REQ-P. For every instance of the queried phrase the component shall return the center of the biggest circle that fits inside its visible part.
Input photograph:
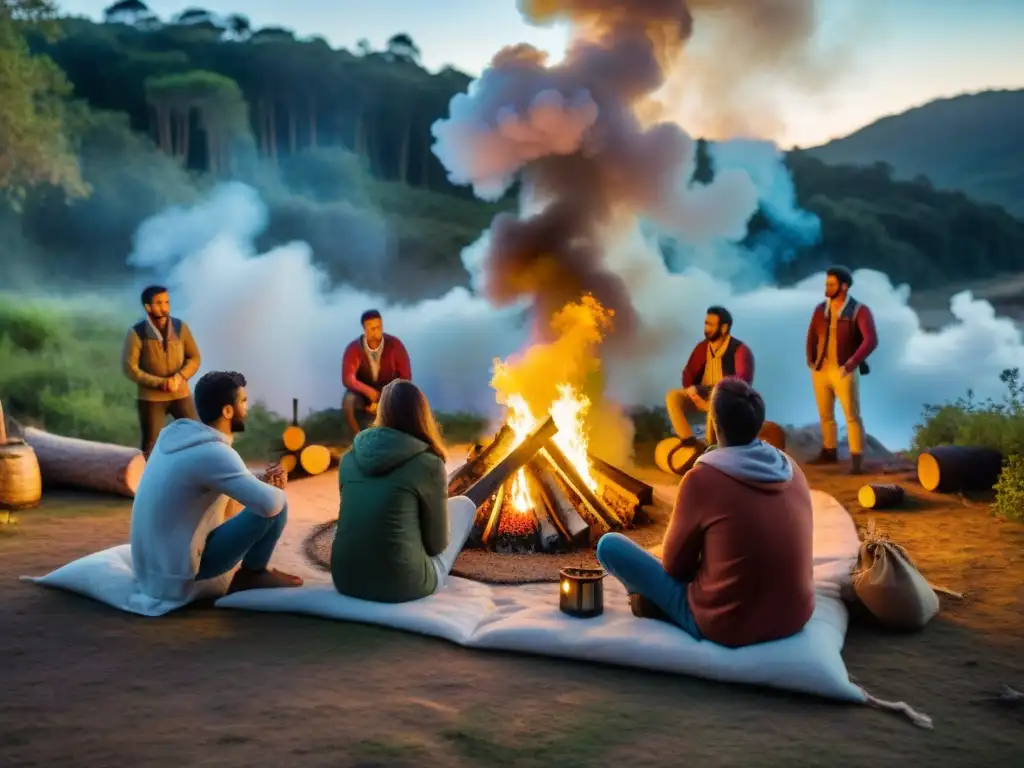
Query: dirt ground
(84, 685)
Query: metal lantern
(581, 592)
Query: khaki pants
(680, 409)
(831, 384)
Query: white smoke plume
(273, 317)
(570, 134)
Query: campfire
(538, 489)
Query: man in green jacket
(160, 356)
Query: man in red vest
(840, 337)
(719, 355)
(370, 362)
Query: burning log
(601, 513)
(481, 461)
(952, 468)
(497, 502)
(294, 436)
(643, 492)
(549, 536)
(572, 527)
(505, 468)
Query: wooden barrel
(773, 434)
(954, 468)
(21, 483)
(674, 458)
(880, 496)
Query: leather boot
(827, 456)
(856, 464)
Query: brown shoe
(644, 609)
(271, 578)
(827, 456)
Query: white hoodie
(182, 497)
(756, 462)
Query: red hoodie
(355, 368)
(747, 550)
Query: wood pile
(300, 458)
(563, 512)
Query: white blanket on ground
(526, 618)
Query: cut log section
(507, 467)
(289, 462)
(955, 468)
(74, 463)
(549, 535)
(315, 459)
(674, 458)
(294, 436)
(880, 496)
(494, 515)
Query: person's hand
(374, 396)
(690, 391)
(173, 383)
(372, 408)
(276, 476)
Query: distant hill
(973, 143)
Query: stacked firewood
(300, 458)
(564, 512)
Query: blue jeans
(642, 573)
(246, 538)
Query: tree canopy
(331, 138)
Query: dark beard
(237, 425)
(713, 336)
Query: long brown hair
(404, 407)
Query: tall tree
(34, 143)
(126, 12)
(401, 47)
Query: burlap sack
(886, 582)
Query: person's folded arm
(227, 473)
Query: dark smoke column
(569, 132)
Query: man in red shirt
(717, 355)
(737, 563)
(840, 337)
(369, 363)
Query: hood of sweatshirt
(380, 450)
(759, 465)
(182, 434)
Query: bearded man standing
(371, 362)
(160, 356)
(719, 355)
(840, 337)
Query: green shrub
(998, 425)
(1009, 503)
(27, 327)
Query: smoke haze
(272, 316)
(608, 208)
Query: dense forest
(117, 120)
